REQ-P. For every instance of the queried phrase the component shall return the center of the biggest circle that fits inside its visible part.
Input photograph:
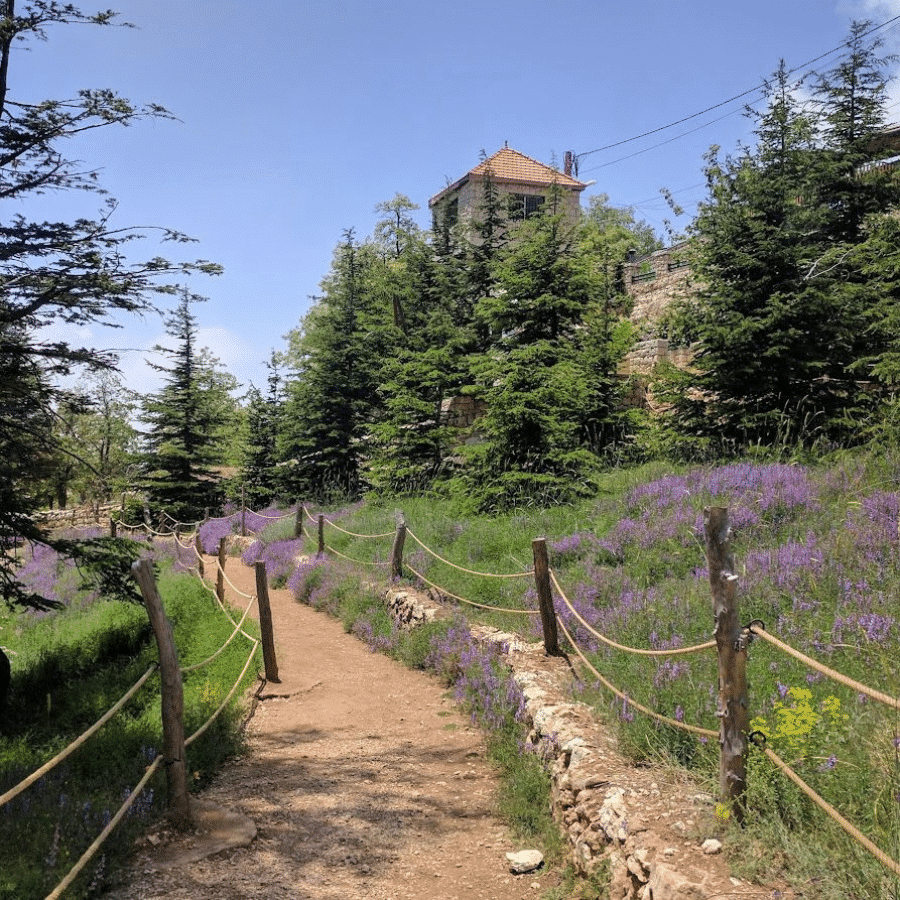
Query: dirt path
(363, 780)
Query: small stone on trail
(525, 861)
(710, 846)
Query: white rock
(710, 846)
(525, 861)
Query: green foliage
(547, 376)
(68, 670)
(413, 648)
(187, 419)
(66, 276)
(525, 317)
(263, 429)
(337, 356)
(789, 311)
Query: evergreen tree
(410, 438)
(337, 355)
(183, 422)
(541, 379)
(781, 308)
(259, 464)
(74, 273)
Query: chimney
(567, 165)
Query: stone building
(653, 282)
(522, 183)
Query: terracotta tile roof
(510, 165)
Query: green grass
(811, 567)
(68, 669)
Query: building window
(524, 206)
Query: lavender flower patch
(307, 580)
(573, 547)
(252, 553)
(873, 527)
(365, 628)
(669, 510)
(479, 678)
(873, 628)
(213, 531)
(281, 558)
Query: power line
(702, 112)
(661, 143)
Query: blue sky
(296, 117)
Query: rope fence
(453, 565)
(677, 651)
(731, 643)
(857, 686)
(684, 726)
(446, 593)
(81, 739)
(832, 813)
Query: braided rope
(261, 516)
(437, 587)
(832, 813)
(462, 569)
(819, 667)
(694, 729)
(221, 605)
(226, 701)
(113, 822)
(191, 536)
(230, 583)
(129, 527)
(68, 751)
(679, 651)
(175, 521)
(354, 534)
(359, 562)
(237, 628)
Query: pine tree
(338, 354)
(182, 421)
(780, 314)
(80, 272)
(540, 376)
(259, 464)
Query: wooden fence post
(199, 547)
(731, 644)
(298, 520)
(172, 698)
(112, 527)
(265, 622)
(397, 549)
(545, 598)
(321, 534)
(220, 574)
(243, 514)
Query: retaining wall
(654, 836)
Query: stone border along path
(362, 779)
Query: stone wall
(653, 283)
(76, 517)
(461, 412)
(655, 837)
